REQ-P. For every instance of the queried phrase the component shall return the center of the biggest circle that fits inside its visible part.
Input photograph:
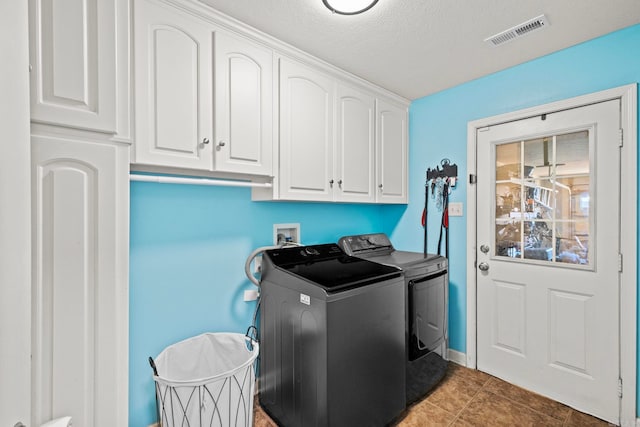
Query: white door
(306, 133)
(173, 76)
(548, 252)
(354, 169)
(391, 153)
(73, 55)
(80, 290)
(244, 106)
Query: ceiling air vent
(513, 33)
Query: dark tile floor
(466, 397)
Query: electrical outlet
(455, 209)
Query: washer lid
(329, 267)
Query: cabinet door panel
(80, 296)
(244, 105)
(306, 133)
(173, 88)
(73, 54)
(355, 146)
(391, 153)
(175, 77)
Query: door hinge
(620, 387)
(619, 263)
(473, 178)
(621, 137)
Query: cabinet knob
(340, 183)
(380, 186)
(331, 183)
(221, 144)
(205, 141)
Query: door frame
(628, 222)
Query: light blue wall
(188, 244)
(188, 248)
(438, 129)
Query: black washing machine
(427, 291)
(332, 348)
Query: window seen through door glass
(543, 194)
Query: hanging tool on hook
(439, 182)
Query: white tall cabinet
(80, 136)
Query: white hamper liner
(207, 380)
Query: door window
(543, 199)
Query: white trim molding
(457, 357)
(628, 237)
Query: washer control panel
(365, 243)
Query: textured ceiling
(417, 47)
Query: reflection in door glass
(543, 194)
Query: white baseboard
(459, 358)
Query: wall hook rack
(449, 170)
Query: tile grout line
(457, 417)
(566, 420)
(563, 421)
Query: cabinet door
(244, 106)
(80, 294)
(306, 133)
(391, 153)
(355, 146)
(173, 76)
(73, 55)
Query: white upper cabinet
(355, 146)
(204, 98)
(391, 153)
(243, 106)
(173, 79)
(79, 64)
(306, 133)
(334, 144)
(209, 97)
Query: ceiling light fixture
(349, 7)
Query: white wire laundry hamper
(207, 380)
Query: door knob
(483, 266)
(205, 141)
(484, 249)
